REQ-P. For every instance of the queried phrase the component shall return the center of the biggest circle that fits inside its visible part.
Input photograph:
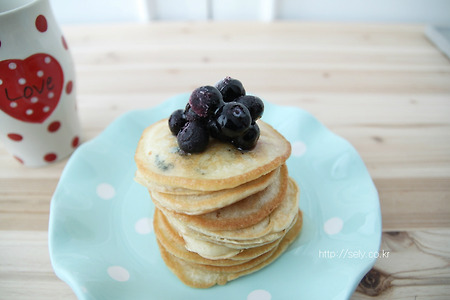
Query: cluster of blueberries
(223, 112)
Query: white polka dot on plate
(259, 295)
(144, 226)
(105, 191)
(118, 273)
(333, 225)
(298, 148)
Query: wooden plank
(414, 203)
(26, 272)
(25, 206)
(417, 267)
(184, 78)
(253, 33)
(306, 56)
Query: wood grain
(26, 272)
(384, 88)
(417, 265)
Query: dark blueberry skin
(193, 138)
(205, 100)
(247, 141)
(223, 112)
(233, 119)
(230, 89)
(254, 104)
(216, 132)
(191, 116)
(177, 121)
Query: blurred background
(432, 12)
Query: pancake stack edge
(228, 217)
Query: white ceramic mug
(38, 115)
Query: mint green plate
(102, 243)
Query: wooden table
(384, 88)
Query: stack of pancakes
(223, 213)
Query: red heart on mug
(30, 89)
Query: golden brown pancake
(277, 221)
(220, 166)
(196, 204)
(175, 245)
(195, 275)
(243, 213)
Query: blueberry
(233, 119)
(205, 100)
(230, 89)
(247, 140)
(216, 132)
(254, 104)
(191, 116)
(176, 121)
(193, 138)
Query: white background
(433, 12)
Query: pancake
(175, 245)
(225, 244)
(194, 275)
(206, 202)
(211, 246)
(219, 250)
(165, 189)
(244, 213)
(222, 213)
(220, 166)
(277, 221)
